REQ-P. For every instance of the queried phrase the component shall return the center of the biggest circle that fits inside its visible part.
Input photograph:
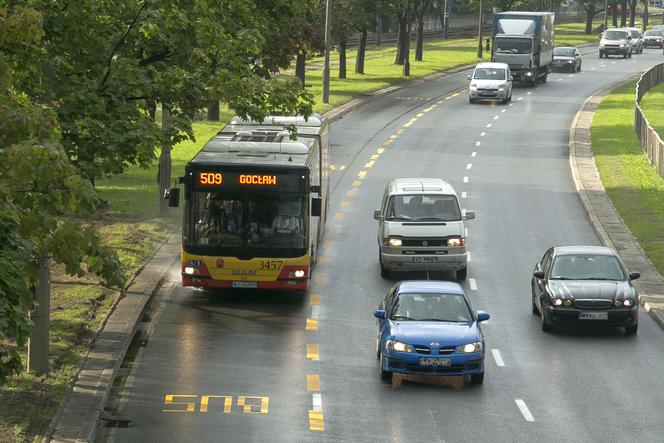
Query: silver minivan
(421, 227)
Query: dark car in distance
(567, 58)
(584, 286)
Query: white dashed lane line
(497, 357)
(495, 117)
(478, 143)
(473, 284)
(463, 194)
(520, 98)
(468, 256)
(524, 410)
(504, 110)
(469, 166)
(483, 134)
(465, 231)
(529, 92)
(489, 125)
(317, 401)
(473, 154)
(465, 179)
(511, 104)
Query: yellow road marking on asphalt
(344, 204)
(256, 409)
(356, 183)
(350, 193)
(375, 157)
(387, 142)
(420, 114)
(339, 216)
(392, 137)
(337, 167)
(316, 422)
(380, 150)
(228, 402)
(369, 164)
(456, 94)
(407, 125)
(314, 300)
(312, 324)
(362, 174)
(439, 102)
(414, 119)
(400, 130)
(313, 383)
(313, 352)
(320, 279)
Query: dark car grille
(424, 241)
(415, 368)
(612, 46)
(593, 303)
(487, 91)
(427, 351)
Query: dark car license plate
(432, 361)
(593, 315)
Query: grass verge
(651, 104)
(633, 185)
(28, 403)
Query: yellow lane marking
(356, 183)
(362, 174)
(439, 102)
(393, 136)
(337, 167)
(339, 216)
(420, 114)
(428, 109)
(413, 119)
(190, 406)
(320, 279)
(256, 409)
(400, 130)
(350, 193)
(380, 150)
(312, 324)
(316, 422)
(456, 94)
(313, 352)
(407, 125)
(313, 383)
(375, 157)
(344, 204)
(388, 142)
(228, 402)
(314, 299)
(369, 164)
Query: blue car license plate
(432, 361)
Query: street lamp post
(406, 62)
(446, 19)
(326, 64)
(606, 15)
(479, 43)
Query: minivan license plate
(430, 361)
(425, 259)
(244, 284)
(593, 315)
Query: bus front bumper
(208, 283)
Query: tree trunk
(632, 12)
(361, 52)
(623, 16)
(614, 13)
(213, 111)
(299, 66)
(342, 59)
(38, 344)
(152, 109)
(645, 16)
(164, 171)
(401, 44)
(420, 37)
(590, 13)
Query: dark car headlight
(628, 303)
(470, 348)
(397, 346)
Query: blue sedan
(430, 328)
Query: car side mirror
(510, 78)
(469, 215)
(173, 197)
(482, 316)
(538, 274)
(634, 275)
(469, 77)
(377, 214)
(379, 314)
(316, 206)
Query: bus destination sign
(235, 179)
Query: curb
(78, 415)
(606, 221)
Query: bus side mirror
(316, 204)
(173, 196)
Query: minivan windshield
(423, 207)
(653, 32)
(489, 74)
(615, 35)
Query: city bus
(255, 204)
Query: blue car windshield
(431, 307)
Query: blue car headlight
(470, 348)
(397, 346)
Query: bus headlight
(189, 270)
(297, 273)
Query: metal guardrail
(651, 142)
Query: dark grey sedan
(567, 58)
(584, 286)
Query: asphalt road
(511, 164)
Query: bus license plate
(425, 259)
(244, 284)
(431, 361)
(593, 315)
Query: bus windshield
(247, 221)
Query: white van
(421, 227)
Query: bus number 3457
(270, 265)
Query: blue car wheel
(477, 379)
